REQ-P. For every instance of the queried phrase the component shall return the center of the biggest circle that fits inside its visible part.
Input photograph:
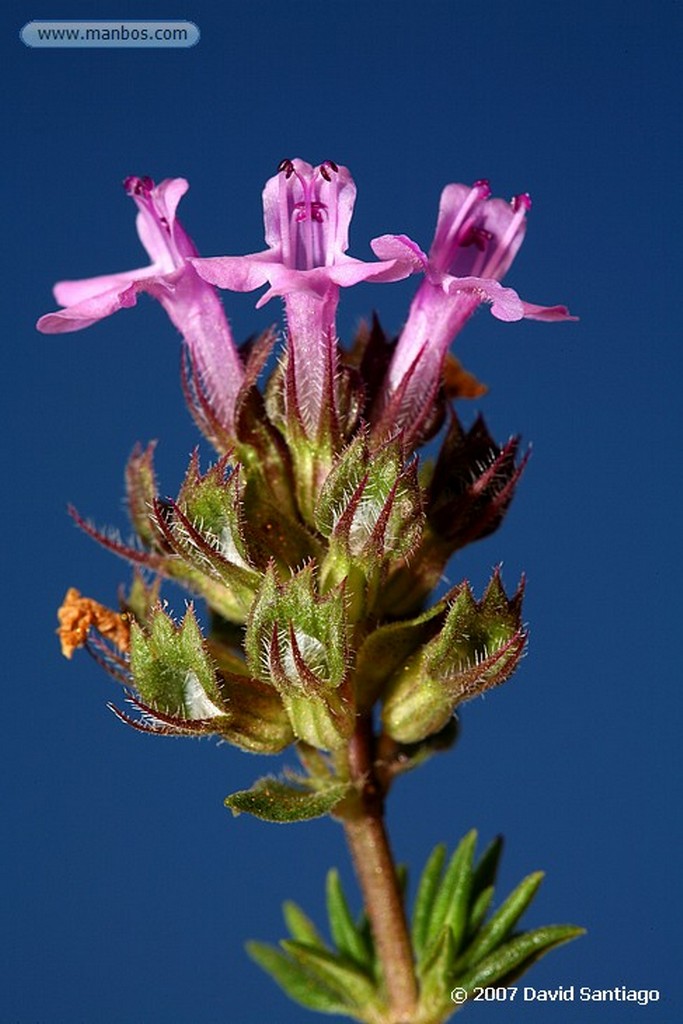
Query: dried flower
(78, 615)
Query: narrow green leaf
(435, 971)
(502, 922)
(452, 899)
(298, 984)
(300, 925)
(510, 960)
(424, 900)
(479, 910)
(485, 872)
(273, 800)
(347, 936)
(365, 931)
(342, 977)
(540, 949)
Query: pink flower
(191, 304)
(475, 242)
(307, 211)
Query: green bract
(297, 640)
(478, 646)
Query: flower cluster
(307, 212)
(315, 540)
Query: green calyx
(298, 640)
(182, 688)
(370, 512)
(172, 670)
(478, 646)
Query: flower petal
(84, 314)
(505, 302)
(163, 238)
(400, 247)
(348, 271)
(548, 313)
(336, 192)
(69, 293)
(238, 273)
(452, 212)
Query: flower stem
(373, 860)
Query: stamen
(135, 186)
(325, 168)
(307, 221)
(287, 166)
(285, 237)
(523, 199)
(483, 186)
(520, 204)
(479, 192)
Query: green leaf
(483, 880)
(502, 922)
(424, 899)
(364, 929)
(486, 870)
(480, 909)
(451, 903)
(295, 980)
(348, 938)
(204, 530)
(436, 968)
(513, 958)
(301, 928)
(273, 800)
(342, 977)
(259, 721)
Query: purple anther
(325, 168)
(483, 187)
(287, 166)
(135, 186)
(523, 200)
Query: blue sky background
(129, 889)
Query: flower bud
(478, 647)
(297, 642)
(370, 510)
(473, 483)
(203, 530)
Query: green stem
(368, 842)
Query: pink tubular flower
(191, 304)
(307, 211)
(475, 242)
